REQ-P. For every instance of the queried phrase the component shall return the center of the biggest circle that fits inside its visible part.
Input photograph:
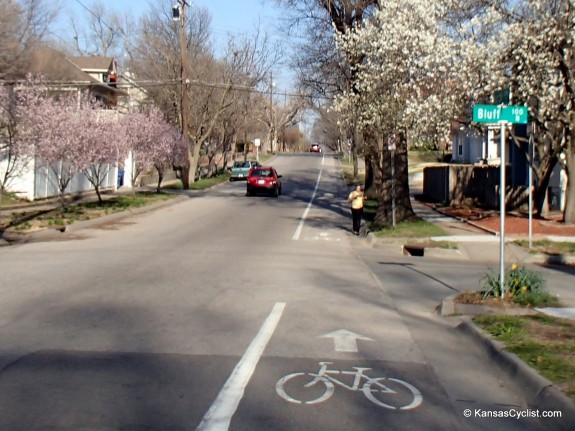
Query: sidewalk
(469, 234)
(480, 246)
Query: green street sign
(497, 114)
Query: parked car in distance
(315, 148)
(264, 179)
(240, 170)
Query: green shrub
(521, 285)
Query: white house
(65, 73)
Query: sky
(229, 17)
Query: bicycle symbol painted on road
(387, 392)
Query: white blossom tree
(404, 86)
(426, 62)
(526, 47)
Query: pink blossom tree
(74, 134)
(151, 141)
(16, 143)
(56, 132)
(171, 150)
(100, 142)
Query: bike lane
(341, 357)
(337, 313)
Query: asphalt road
(243, 313)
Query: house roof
(55, 66)
(94, 63)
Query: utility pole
(179, 14)
(272, 125)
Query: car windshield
(262, 173)
(242, 165)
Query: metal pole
(502, 212)
(531, 152)
(393, 188)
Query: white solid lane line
(223, 408)
(297, 233)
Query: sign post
(502, 189)
(502, 115)
(391, 146)
(257, 143)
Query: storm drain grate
(413, 250)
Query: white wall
(41, 183)
(23, 183)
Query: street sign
(391, 142)
(514, 114)
(257, 142)
(498, 113)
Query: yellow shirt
(356, 199)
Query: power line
(173, 82)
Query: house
(474, 171)
(64, 73)
(68, 73)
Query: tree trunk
(161, 174)
(194, 160)
(540, 190)
(186, 174)
(369, 176)
(388, 187)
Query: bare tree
(322, 72)
(103, 33)
(214, 85)
(23, 24)
(293, 139)
(336, 73)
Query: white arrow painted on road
(344, 340)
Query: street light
(176, 12)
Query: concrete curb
(543, 395)
(449, 307)
(514, 252)
(434, 252)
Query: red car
(315, 148)
(263, 179)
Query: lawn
(34, 218)
(50, 214)
(550, 248)
(545, 343)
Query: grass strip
(545, 343)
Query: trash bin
(120, 178)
